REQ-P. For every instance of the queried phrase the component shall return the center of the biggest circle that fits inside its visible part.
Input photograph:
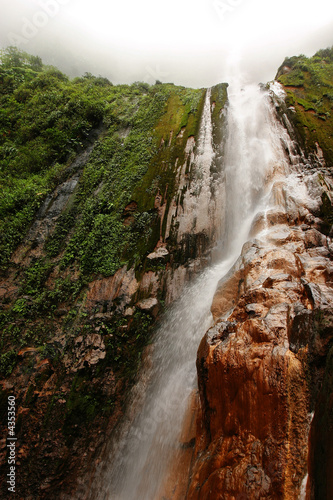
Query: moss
(180, 121)
(30, 397)
(83, 404)
(90, 235)
(110, 220)
(172, 121)
(125, 338)
(8, 362)
(309, 85)
(191, 246)
(219, 99)
(219, 96)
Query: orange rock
(253, 421)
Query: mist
(194, 43)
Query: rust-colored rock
(255, 397)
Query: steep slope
(264, 369)
(114, 198)
(98, 181)
(309, 86)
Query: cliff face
(265, 422)
(109, 240)
(261, 368)
(114, 198)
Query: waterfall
(254, 157)
(254, 160)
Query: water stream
(255, 160)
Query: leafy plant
(8, 362)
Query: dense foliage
(309, 85)
(46, 121)
(82, 163)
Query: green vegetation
(7, 362)
(45, 120)
(326, 214)
(83, 404)
(309, 85)
(134, 135)
(84, 166)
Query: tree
(12, 57)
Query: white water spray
(254, 161)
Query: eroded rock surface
(261, 367)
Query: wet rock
(265, 220)
(149, 305)
(89, 350)
(130, 209)
(102, 316)
(129, 311)
(273, 280)
(158, 200)
(149, 285)
(273, 327)
(61, 311)
(227, 292)
(120, 287)
(160, 254)
(255, 309)
(129, 212)
(314, 238)
(300, 329)
(321, 438)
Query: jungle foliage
(309, 86)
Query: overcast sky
(188, 42)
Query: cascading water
(254, 157)
(254, 160)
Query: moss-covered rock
(89, 172)
(309, 86)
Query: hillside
(114, 200)
(91, 255)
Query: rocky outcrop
(264, 428)
(135, 217)
(261, 369)
(81, 335)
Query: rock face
(81, 335)
(265, 420)
(260, 370)
(74, 338)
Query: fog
(188, 42)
